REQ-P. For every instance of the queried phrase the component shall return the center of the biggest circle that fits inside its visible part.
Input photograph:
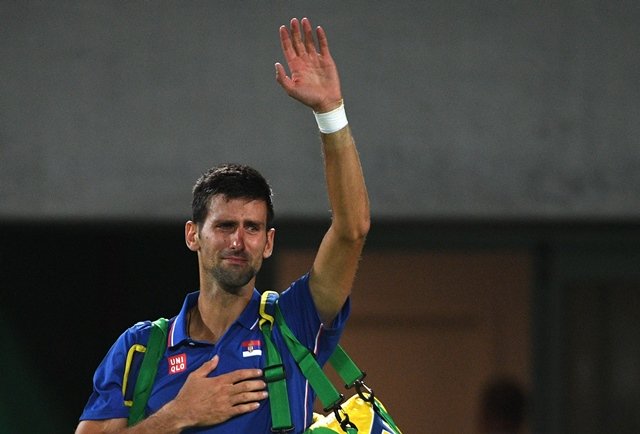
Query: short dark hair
(234, 181)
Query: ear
(268, 248)
(191, 236)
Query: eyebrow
(235, 222)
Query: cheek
(211, 244)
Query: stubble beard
(233, 280)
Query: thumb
(281, 77)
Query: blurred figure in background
(503, 405)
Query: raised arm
(314, 81)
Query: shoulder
(298, 287)
(297, 294)
(297, 305)
(137, 334)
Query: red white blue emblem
(251, 348)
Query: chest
(239, 349)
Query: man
(210, 380)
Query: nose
(237, 240)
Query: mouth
(235, 260)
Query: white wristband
(332, 121)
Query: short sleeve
(107, 400)
(302, 318)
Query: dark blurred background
(500, 145)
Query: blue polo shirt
(241, 347)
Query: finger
(250, 385)
(322, 42)
(309, 43)
(296, 37)
(248, 397)
(281, 77)
(244, 408)
(285, 42)
(240, 375)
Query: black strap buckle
(333, 406)
(343, 419)
(282, 430)
(363, 389)
(273, 373)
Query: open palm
(314, 77)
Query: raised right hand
(314, 77)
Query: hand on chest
(241, 350)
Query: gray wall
(523, 109)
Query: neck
(215, 312)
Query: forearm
(335, 266)
(165, 421)
(168, 420)
(345, 185)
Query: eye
(226, 226)
(253, 228)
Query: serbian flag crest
(251, 348)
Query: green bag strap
(345, 368)
(144, 383)
(306, 361)
(274, 374)
(329, 396)
(348, 371)
(353, 376)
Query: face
(232, 242)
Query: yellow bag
(364, 418)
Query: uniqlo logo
(177, 363)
